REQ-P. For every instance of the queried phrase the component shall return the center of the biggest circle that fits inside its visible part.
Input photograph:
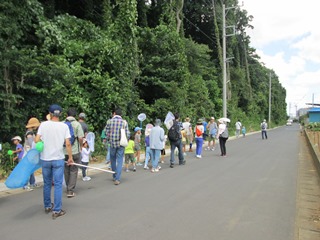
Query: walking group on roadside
(65, 146)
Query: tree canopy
(142, 56)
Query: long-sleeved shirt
(113, 132)
(156, 138)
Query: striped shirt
(113, 132)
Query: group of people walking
(65, 146)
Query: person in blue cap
(137, 146)
(54, 134)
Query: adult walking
(213, 130)
(82, 121)
(188, 128)
(54, 134)
(199, 132)
(175, 138)
(264, 127)
(29, 143)
(156, 144)
(238, 128)
(223, 136)
(113, 134)
(71, 171)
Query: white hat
(16, 138)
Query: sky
(286, 36)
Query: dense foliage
(143, 56)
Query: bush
(6, 164)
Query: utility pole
(269, 119)
(224, 49)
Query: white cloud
(291, 26)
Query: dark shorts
(163, 152)
(129, 158)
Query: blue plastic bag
(21, 173)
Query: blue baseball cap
(55, 109)
(137, 129)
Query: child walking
(137, 147)
(129, 154)
(85, 155)
(19, 148)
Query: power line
(211, 39)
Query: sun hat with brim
(16, 138)
(212, 118)
(33, 122)
(199, 121)
(137, 129)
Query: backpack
(198, 132)
(263, 126)
(174, 132)
(225, 134)
(73, 137)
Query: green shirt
(130, 148)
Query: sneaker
(35, 185)
(182, 163)
(127, 170)
(49, 209)
(134, 169)
(161, 161)
(212, 149)
(116, 182)
(156, 170)
(146, 167)
(206, 149)
(58, 214)
(27, 188)
(70, 194)
(171, 165)
(198, 156)
(86, 178)
(153, 170)
(159, 167)
(139, 164)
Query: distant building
(314, 115)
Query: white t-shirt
(186, 126)
(53, 134)
(85, 153)
(238, 125)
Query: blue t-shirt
(20, 154)
(204, 123)
(147, 141)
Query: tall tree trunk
(178, 15)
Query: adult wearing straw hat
(29, 143)
(223, 136)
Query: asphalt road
(248, 195)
